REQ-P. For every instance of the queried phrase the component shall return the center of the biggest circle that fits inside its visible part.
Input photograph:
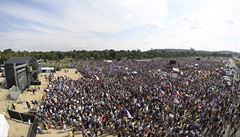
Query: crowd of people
(144, 98)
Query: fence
(33, 129)
(21, 116)
(25, 118)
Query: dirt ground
(18, 128)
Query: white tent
(4, 127)
(14, 92)
(47, 69)
(108, 61)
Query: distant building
(21, 71)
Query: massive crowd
(144, 98)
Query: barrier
(21, 116)
(25, 118)
(14, 115)
(33, 129)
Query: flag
(59, 87)
(96, 77)
(162, 93)
(178, 94)
(127, 113)
(169, 84)
(146, 108)
(176, 101)
(108, 96)
(187, 95)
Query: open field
(202, 73)
(120, 68)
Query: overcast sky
(119, 24)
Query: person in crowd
(39, 130)
(33, 91)
(13, 106)
(144, 98)
(28, 105)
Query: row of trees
(107, 54)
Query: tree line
(108, 54)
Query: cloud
(118, 24)
(76, 23)
(154, 24)
(230, 22)
(204, 29)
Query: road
(232, 65)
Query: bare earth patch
(18, 128)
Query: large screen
(22, 79)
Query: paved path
(232, 64)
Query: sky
(63, 25)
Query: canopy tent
(108, 61)
(4, 127)
(14, 92)
(47, 69)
